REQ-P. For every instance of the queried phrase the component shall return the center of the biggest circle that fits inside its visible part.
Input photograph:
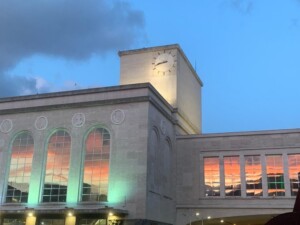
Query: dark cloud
(12, 85)
(63, 28)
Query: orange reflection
(20, 168)
(294, 169)
(253, 176)
(212, 176)
(275, 175)
(232, 176)
(57, 167)
(96, 165)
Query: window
(253, 176)
(94, 221)
(96, 166)
(232, 176)
(275, 175)
(153, 168)
(294, 170)
(44, 221)
(14, 221)
(57, 167)
(212, 176)
(20, 168)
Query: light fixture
(222, 221)
(29, 211)
(209, 217)
(197, 213)
(69, 211)
(110, 214)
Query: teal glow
(119, 192)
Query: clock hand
(161, 62)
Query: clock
(164, 62)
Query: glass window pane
(212, 176)
(275, 175)
(294, 170)
(253, 176)
(90, 221)
(20, 168)
(232, 176)
(14, 221)
(96, 166)
(57, 167)
(52, 222)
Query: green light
(119, 191)
(34, 190)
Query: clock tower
(169, 71)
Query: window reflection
(96, 166)
(253, 176)
(20, 168)
(52, 221)
(57, 167)
(212, 176)
(14, 221)
(90, 221)
(232, 176)
(275, 175)
(294, 169)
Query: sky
(246, 52)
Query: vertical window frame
(251, 173)
(11, 195)
(102, 184)
(274, 181)
(294, 170)
(232, 179)
(212, 177)
(56, 193)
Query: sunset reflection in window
(96, 166)
(294, 169)
(275, 175)
(20, 168)
(253, 176)
(57, 167)
(232, 176)
(212, 176)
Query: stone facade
(157, 151)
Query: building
(135, 154)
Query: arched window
(57, 167)
(96, 165)
(166, 173)
(20, 168)
(153, 161)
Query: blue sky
(246, 52)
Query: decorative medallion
(117, 116)
(78, 119)
(41, 123)
(163, 127)
(6, 126)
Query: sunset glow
(253, 176)
(275, 175)
(294, 169)
(20, 168)
(232, 176)
(96, 166)
(57, 167)
(212, 176)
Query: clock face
(164, 62)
